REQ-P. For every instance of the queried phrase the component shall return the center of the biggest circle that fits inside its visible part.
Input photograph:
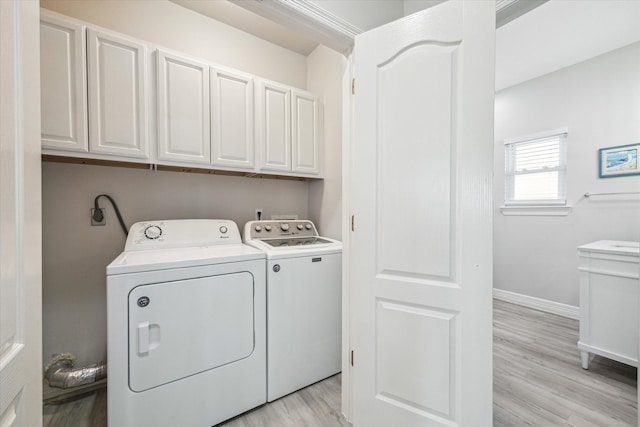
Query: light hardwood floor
(538, 381)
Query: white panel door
(63, 84)
(183, 109)
(117, 96)
(420, 255)
(20, 216)
(305, 138)
(232, 137)
(273, 127)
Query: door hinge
(351, 357)
(353, 86)
(353, 223)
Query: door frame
(21, 357)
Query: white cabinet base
(609, 301)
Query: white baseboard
(553, 307)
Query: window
(535, 170)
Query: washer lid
(301, 241)
(163, 259)
(278, 252)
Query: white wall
(74, 253)
(324, 77)
(599, 101)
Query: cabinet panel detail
(232, 133)
(274, 129)
(63, 83)
(305, 135)
(183, 110)
(117, 96)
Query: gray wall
(599, 101)
(75, 254)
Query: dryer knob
(258, 228)
(152, 232)
(223, 229)
(300, 227)
(284, 227)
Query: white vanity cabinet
(117, 69)
(63, 84)
(288, 131)
(93, 91)
(232, 119)
(183, 109)
(609, 272)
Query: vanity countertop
(618, 247)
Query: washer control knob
(258, 228)
(267, 227)
(308, 226)
(284, 227)
(152, 232)
(300, 226)
(223, 229)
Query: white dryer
(304, 303)
(186, 325)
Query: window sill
(535, 210)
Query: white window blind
(535, 169)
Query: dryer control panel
(179, 233)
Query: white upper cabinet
(117, 95)
(63, 84)
(232, 118)
(288, 129)
(183, 110)
(112, 97)
(305, 140)
(273, 123)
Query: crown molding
(508, 10)
(316, 23)
(307, 18)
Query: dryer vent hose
(61, 374)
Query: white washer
(186, 325)
(304, 303)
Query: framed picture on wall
(619, 161)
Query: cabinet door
(232, 137)
(274, 127)
(63, 84)
(305, 140)
(117, 96)
(183, 110)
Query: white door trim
(20, 217)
